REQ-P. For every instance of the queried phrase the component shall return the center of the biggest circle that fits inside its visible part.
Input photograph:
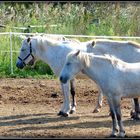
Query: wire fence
(10, 43)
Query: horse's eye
(68, 63)
(23, 50)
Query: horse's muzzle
(20, 65)
(63, 79)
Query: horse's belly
(132, 92)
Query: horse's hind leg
(114, 104)
(135, 109)
(99, 102)
(72, 90)
(114, 119)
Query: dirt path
(29, 111)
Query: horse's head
(26, 56)
(71, 67)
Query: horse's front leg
(65, 109)
(119, 118)
(114, 119)
(72, 90)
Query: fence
(10, 43)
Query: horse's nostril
(16, 64)
(61, 78)
(19, 65)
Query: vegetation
(78, 18)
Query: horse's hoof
(64, 114)
(113, 136)
(122, 135)
(72, 111)
(96, 111)
(132, 114)
(60, 113)
(135, 116)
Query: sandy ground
(27, 110)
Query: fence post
(11, 53)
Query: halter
(30, 54)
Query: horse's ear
(63, 38)
(22, 37)
(28, 40)
(77, 53)
(93, 43)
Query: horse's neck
(52, 55)
(95, 68)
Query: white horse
(116, 78)
(28, 53)
(53, 52)
(125, 50)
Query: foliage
(79, 18)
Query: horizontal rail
(22, 35)
(87, 36)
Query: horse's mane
(61, 38)
(50, 41)
(45, 39)
(55, 40)
(114, 61)
(87, 57)
(55, 37)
